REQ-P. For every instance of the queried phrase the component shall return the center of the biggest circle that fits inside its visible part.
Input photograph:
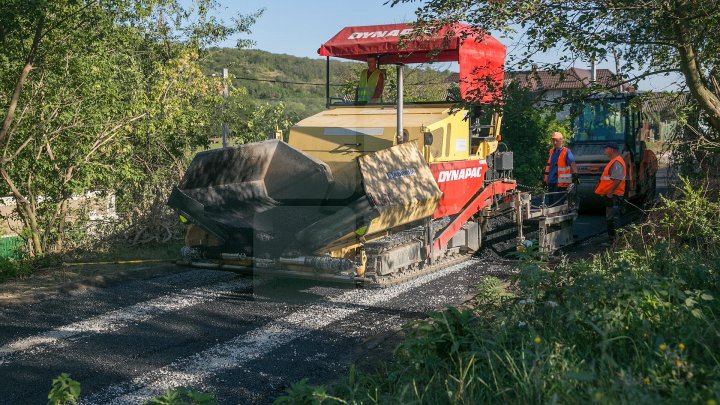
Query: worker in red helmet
(560, 170)
(372, 82)
(612, 186)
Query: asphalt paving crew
(560, 170)
(372, 82)
(612, 186)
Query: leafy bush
(64, 390)
(689, 221)
(526, 130)
(11, 267)
(302, 393)
(639, 325)
(183, 396)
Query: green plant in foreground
(183, 396)
(302, 393)
(64, 390)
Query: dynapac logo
(380, 34)
(459, 174)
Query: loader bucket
(266, 188)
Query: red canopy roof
(481, 62)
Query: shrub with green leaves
(64, 390)
(183, 396)
(11, 267)
(303, 393)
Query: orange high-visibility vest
(606, 182)
(366, 88)
(564, 175)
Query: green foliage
(639, 325)
(64, 390)
(12, 268)
(690, 220)
(302, 393)
(183, 396)
(21, 265)
(491, 292)
(267, 78)
(115, 100)
(251, 121)
(526, 129)
(657, 38)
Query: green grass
(639, 325)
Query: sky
(298, 28)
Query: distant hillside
(299, 83)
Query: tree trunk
(690, 66)
(62, 216)
(32, 224)
(27, 213)
(29, 61)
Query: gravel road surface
(244, 339)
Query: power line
(252, 79)
(281, 81)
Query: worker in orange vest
(372, 82)
(560, 170)
(612, 186)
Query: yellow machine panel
(340, 135)
(400, 185)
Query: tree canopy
(649, 37)
(100, 95)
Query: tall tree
(525, 127)
(650, 36)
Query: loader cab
(605, 118)
(617, 118)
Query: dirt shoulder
(73, 279)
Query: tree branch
(690, 67)
(22, 78)
(110, 135)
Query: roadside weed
(64, 390)
(12, 268)
(183, 396)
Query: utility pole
(400, 133)
(617, 71)
(225, 128)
